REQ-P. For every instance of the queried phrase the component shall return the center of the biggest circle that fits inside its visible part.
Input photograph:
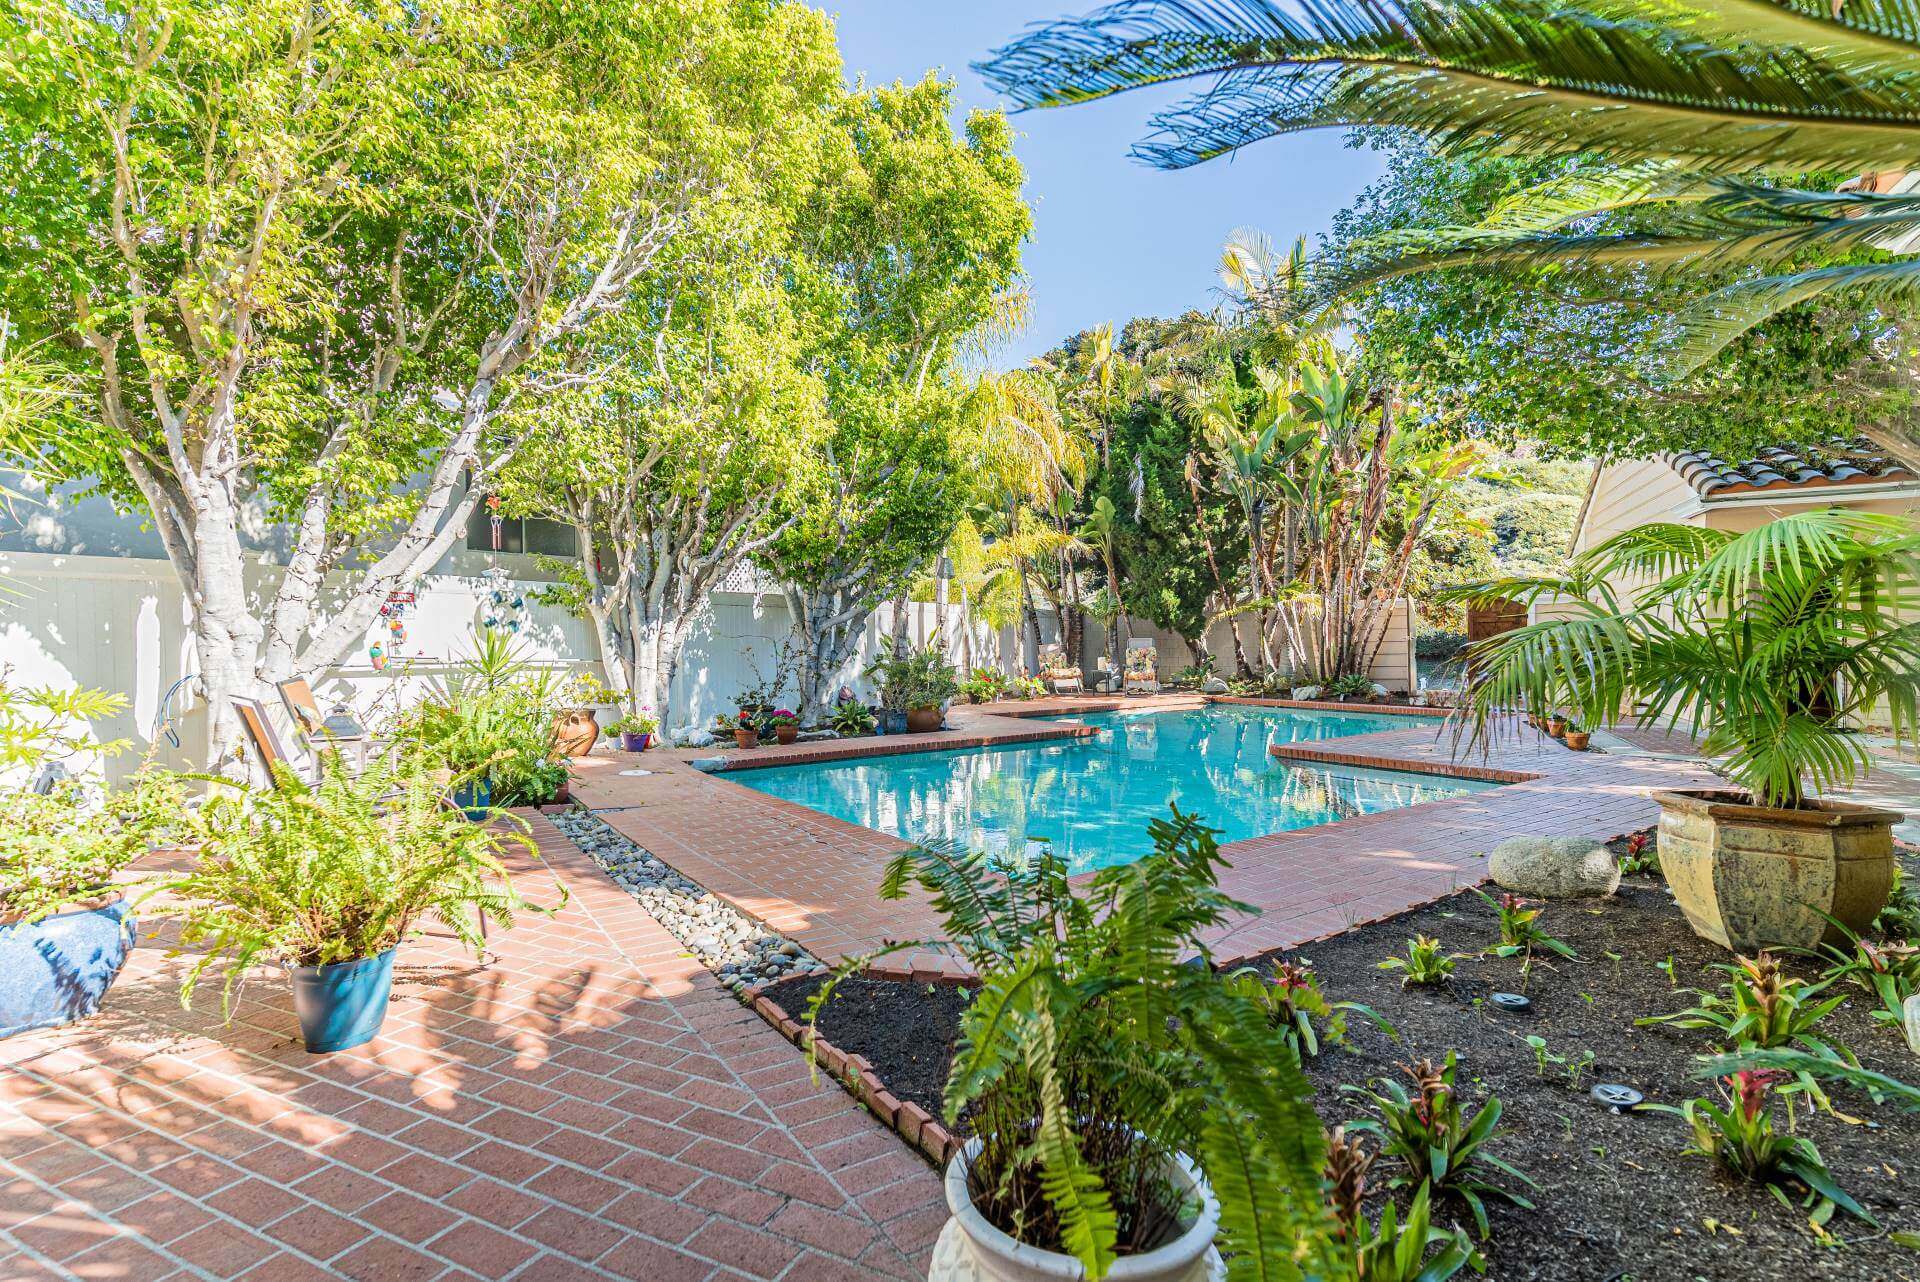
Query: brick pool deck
(587, 1101)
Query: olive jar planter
(970, 1249)
(1752, 877)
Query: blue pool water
(1091, 798)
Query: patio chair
(261, 737)
(1143, 667)
(1060, 676)
(322, 730)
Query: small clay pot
(786, 734)
(1577, 739)
(744, 738)
(1556, 726)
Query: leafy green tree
(304, 256)
(1690, 108)
(910, 246)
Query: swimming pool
(1091, 798)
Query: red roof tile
(1837, 463)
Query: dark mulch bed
(1617, 1202)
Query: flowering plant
(782, 717)
(641, 722)
(1740, 1136)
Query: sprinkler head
(1616, 1096)
(1512, 1003)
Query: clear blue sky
(1112, 239)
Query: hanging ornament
(378, 656)
(494, 518)
(398, 629)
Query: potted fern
(1127, 1110)
(329, 879)
(1770, 645)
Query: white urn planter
(972, 1250)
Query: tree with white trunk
(307, 258)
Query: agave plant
(1768, 642)
(1686, 113)
(1093, 1051)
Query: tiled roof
(1813, 467)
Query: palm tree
(1769, 642)
(1102, 529)
(1695, 107)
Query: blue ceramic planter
(473, 798)
(635, 742)
(342, 1005)
(57, 969)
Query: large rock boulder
(1213, 685)
(1554, 867)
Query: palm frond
(1724, 315)
(1524, 76)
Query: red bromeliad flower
(1751, 1087)
(1513, 903)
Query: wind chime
(504, 604)
(393, 612)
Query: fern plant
(334, 871)
(1093, 1052)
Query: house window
(521, 534)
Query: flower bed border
(912, 1123)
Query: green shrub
(62, 848)
(1441, 1147)
(494, 718)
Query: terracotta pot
(575, 731)
(1556, 727)
(786, 734)
(1577, 739)
(745, 738)
(1752, 877)
(924, 720)
(972, 1250)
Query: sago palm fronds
(1691, 107)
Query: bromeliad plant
(1425, 965)
(1092, 1053)
(1762, 1007)
(1739, 1135)
(851, 718)
(1890, 973)
(1388, 1251)
(1520, 929)
(1440, 1147)
(335, 871)
(1293, 1001)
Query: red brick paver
(813, 877)
(588, 1102)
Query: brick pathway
(813, 877)
(586, 1103)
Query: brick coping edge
(1405, 765)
